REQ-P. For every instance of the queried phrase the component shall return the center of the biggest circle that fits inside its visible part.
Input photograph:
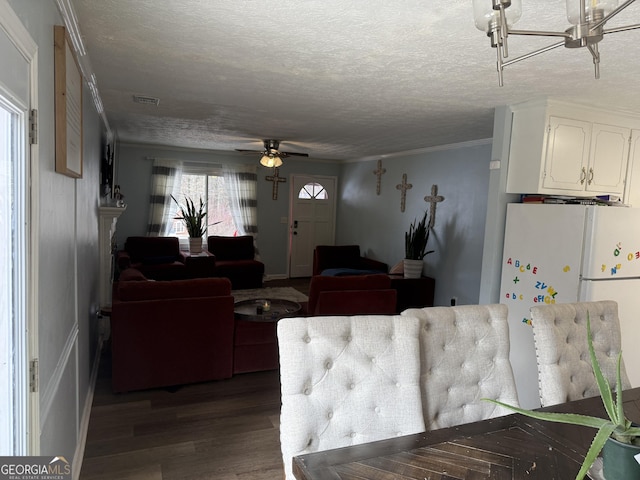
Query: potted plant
(415, 247)
(194, 222)
(619, 438)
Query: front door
(312, 220)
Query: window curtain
(241, 183)
(165, 175)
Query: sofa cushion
(162, 259)
(231, 248)
(197, 287)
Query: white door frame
(16, 32)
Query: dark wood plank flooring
(224, 430)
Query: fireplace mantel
(106, 230)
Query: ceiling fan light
(270, 161)
(594, 10)
(486, 16)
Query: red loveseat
(166, 333)
(351, 295)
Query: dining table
(509, 447)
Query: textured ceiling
(338, 79)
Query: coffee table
(248, 310)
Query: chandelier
(588, 17)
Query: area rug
(282, 293)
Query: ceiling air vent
(146, 100)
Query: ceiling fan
(271, 156)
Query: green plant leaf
(571, 418)
(596, 447)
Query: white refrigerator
(564, 254)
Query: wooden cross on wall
(276, 180)
(433, 199)
(403, 187)
(379, 172)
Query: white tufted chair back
(560, 335)
(347, 380)
(465, 358)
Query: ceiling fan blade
(249, 151)
(293, 154)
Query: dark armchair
(344, 260)
(160, 258)
(235, 260)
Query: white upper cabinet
(563, 149)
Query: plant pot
(413, 268)
(618, 461)
(195, 245)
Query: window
(196, 185)
(313, 191)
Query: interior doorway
(312, 217)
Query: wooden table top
(510, 447)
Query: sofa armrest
(123, 260)
(371, 264)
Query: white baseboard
(86, 415)
(277, 276)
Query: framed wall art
(68, 106)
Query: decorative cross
(403, 187)
(379, 172)
(276, 180)
(433, 199)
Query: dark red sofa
(166, 333)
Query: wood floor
(224, 430)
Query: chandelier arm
(614, 12)
(596, 59)
(621, 29)
(532, 54)
(539, 33)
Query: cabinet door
(608, 157)
(567, 154)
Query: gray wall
(68, 253)
(133, 174)
(372, 221)
(376, 223)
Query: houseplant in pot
(194, 221)
(616, 436)
(415, 247)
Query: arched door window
(313, 191)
